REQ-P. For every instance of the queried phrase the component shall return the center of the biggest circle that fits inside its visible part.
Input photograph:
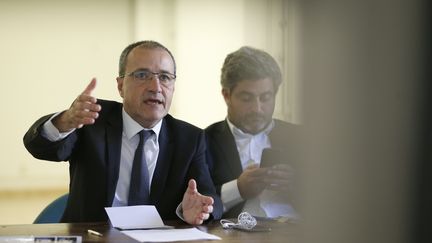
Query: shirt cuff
(50, 132)
(230, 195)
(179, 212)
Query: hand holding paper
(196, 207)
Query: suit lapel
(113, 133)
(163, 162)
(229, 149)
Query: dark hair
(248, 63)
(147, 44)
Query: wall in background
(51, 49)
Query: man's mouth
(153, 102)
(255, 118)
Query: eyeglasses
(146, 75)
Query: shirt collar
(240, 134)
(131, 127)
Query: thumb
(90, 87)
(252, 166)
(192, 187)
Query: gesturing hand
(196, 207)
(83, 111)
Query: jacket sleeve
(42, 148)
(204, 181)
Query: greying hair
(147, 44)
(248, 63)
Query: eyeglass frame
(165, 83)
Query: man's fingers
(278, 181)
(80, 122)
(282, 168)
(196, 207)
(86, 120)
(280, 188)
(205, 216)
(86, 106)
(198, 221)
(82, 114)
(208, 209)
(206, 200)
(256, 172)
(281, 171)
(201, 218)
(83, 98)
(83, 111)
(90, 87)
(78, 118)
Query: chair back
(53, 212)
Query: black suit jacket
(93, 153)
(224, 160)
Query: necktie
(139, 184)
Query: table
(280, 232)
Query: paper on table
(169, 235)
(135, 217)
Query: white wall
(205, 31)
(51, 49)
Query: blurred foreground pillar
(364, 99)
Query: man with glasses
(250, 154)
(130, 153)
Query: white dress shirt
(130, 140)
(268, 203)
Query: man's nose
(257, 105)
(154, 83)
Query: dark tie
(139, 182)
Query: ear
(226, 94)
(120, 86)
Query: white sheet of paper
(167, 235)
(135, 217)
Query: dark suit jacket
(224, 160)
(93, 153)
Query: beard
(254, 123)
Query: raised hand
(196, 207)
(251, 181)
(83, 111)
